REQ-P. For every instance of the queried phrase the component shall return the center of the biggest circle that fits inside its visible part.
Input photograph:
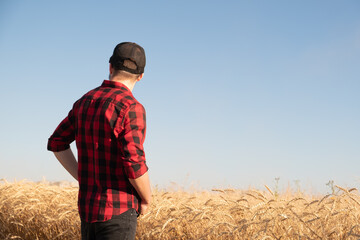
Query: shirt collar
(114, 84)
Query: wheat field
(46, 211)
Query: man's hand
(144, 208)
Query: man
(109, 125)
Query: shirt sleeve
(132, 141)
(64, 135)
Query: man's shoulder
(118, 96)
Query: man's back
(107, 120)
(109, 126)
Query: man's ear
(111, 69)
(140, 77)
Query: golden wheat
(44, 211)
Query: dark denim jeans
(121, 227)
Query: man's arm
(67, 159)
(59, 144)
(142, 186)
(134, 162)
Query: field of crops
(46, 211)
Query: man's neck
(128, 83)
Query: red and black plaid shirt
(109, 125)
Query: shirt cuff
(136, 170)
(57, 146)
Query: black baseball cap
(128, 51)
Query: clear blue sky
(237, 93)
